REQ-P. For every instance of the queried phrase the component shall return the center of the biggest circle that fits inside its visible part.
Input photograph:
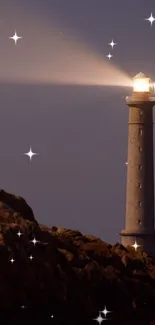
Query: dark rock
(120, 247)
(16, 204)
(126, 260)
(71, 276)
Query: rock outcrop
(60, 272)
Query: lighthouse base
(145, 240)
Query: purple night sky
(78, 178)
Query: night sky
(57, 102)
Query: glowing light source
(141, 83)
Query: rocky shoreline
(69, 275)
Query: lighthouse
(139, 218)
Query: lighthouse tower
(139, 220)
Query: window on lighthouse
(140, 149)
(140, 203)
(141, 131)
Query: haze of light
(44, 55)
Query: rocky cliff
(60, 276)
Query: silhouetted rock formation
(16, 204)
(71, 276)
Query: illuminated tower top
(141, 83)
(142, 88)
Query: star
(135, 246)
(34, 241)
(109, 56)
(150, 19)
(99, 319)
(23, 307)
(52, 316)
(112, 44)
(30, 154)
(105, 311)
(15, 37)
(19, 233)
(31, 257)
(12, 260)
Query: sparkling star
(31, 257)
(34, 241)
(112, 44)
(12, 260)
(109, 56)
(105, 311)
(99, 319)
(15, 37)
(23, 307)
(150, 19)
(30, 154)
(19, 233)
(52, 316)
(135, 245)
